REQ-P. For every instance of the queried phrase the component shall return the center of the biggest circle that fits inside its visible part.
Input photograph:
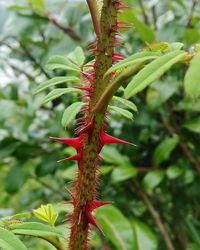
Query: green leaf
(77, 56)
(160, 91)
(38, 5)
(116, 227)
(110, 154)
(192, 78)
(176, 46)
(125, 102)
(21, 216)
(61, 62)
(193, 247)
(55, 81)
(70, 113)
(181, 3)
(46, 213)
(144, 237)
(153, 71)
(145, 32)
(9, 241)
(123, 173)
(174, 172)
(158, 47)
(193, 230)
(18, 7)
(191, 35)
(121, 111)
(193, 125)
(58, 92)
(164, 149)
(139, 57)
(35, 229)
(15, 179)
(188, 176)
(153, 179)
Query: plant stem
(189, 22)
(156, 216)
(145, 17)
(84, 190)
(67, 30)
(174, 129)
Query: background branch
(155, 215)
(145, 17)
(174, 129)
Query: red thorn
(108, 139)
(92, 220)
(100, 158)
(97, 204)
(88, 76)
(121, 6)
(72, 158)
(73, 202)
(73, 142)
(117, 57)
(88, 128)
(91, 65)
(70, 203)
(84, 88)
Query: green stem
(103, 102)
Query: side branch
(103, 102)
(92, 4)
(69, 31)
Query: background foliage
(155, 186)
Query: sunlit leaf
(144, 237)
(123, 173)
(116, 227)
(111, 154)
(174, 172)
(35, 229)
(121, 111)
(192, 78)
(70, 113)
(139, 57)
(9, 241)
(193, 125)
(55, 81)
(77, 56)
(164, 149)
(153, 179)
(145, 32)
(37, 5)
(61, 62)
(46, 213)
(125, 102)
(153, 71)
(59, 92)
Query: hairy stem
(103, 102)
(84, 190)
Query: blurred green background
(154, 186)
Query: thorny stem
(156, 216)
(86, 183)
